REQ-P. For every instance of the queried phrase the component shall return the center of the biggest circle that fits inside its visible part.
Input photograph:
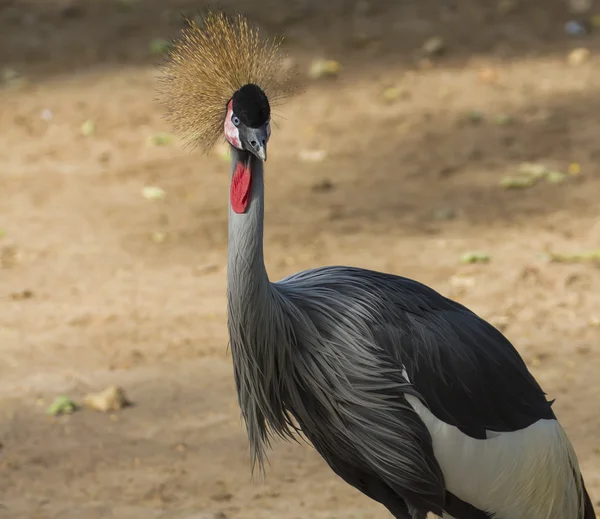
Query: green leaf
(517, 182)
(88, 128)
(161, 139)
(556, 177)
(577, 257)
(475, 116)
(503, 119)
(153, 193)
(531, 169)
(61, 405)
(475, 257)
(159, 46)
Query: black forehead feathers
(251, 105)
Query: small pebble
(47, 115)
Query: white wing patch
(525, 474)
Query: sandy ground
(101, 286)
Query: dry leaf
(111, 399)
(153, 193)
(324, 68)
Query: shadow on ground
(43, 37)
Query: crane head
(216, 79)
(248, 120)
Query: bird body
(382, 373)
(408, 396)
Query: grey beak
(261, 153)
(256, 142)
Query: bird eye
(235, 120)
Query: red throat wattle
(241, 184)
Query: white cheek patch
(232, 134)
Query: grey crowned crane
(408, 396)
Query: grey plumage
(327, 348)
(408, 396)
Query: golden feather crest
(210, 61)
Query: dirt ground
(101, 286)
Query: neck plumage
(247, 275)
(258, 335)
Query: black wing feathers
(466, 371)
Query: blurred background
(455, 142)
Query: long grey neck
(247, 274)
(254, 319)
(259, 328)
